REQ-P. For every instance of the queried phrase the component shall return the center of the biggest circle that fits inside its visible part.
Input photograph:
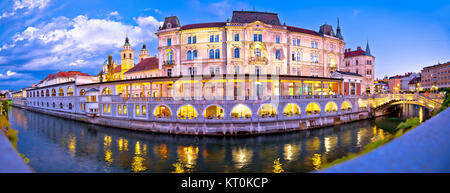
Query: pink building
(361, 62)
(251, 43)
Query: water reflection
(61, 145)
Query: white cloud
(26, 5)
(79, 42)
(9, 74)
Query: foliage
(10, 133)
(445, 103)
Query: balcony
(258, 60)
(169, 63)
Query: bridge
(382, 102)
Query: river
(60, 145)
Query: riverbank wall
(209, 128)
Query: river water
(60, 145)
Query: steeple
(144, 53)
(338, 30)
(367, 53)
(127, 42)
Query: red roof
(118, 68)
(144, 65)
(301, 30)
(203, 25)
(60, 74)
(358, 52)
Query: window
(217, 38)
(294, 42)
(194, 39)
(257, 52)
(236, 69)
(169, 42)
(277, 39)
(124, 109)
(169, 72)
(138, 110)
(194, 55)
(211, 38)
(255, 37)
(120, 109)
(236, 37)
(298, 42)
(356, 62)
(294, 56)
(314, 44)
(217, 54)
(189, 41)
(299, 55)
(260, 37)
(144, 108)
(278, 54)
(217, 70)
(211, 70)
(257, 70)
(236, 52)
(211, 54)
(60, 105)
(314, 58)
(189, 55)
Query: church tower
(127, 55)
(144, 53)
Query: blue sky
(38, 37)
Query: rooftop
(144, 65)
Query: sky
(39, 37)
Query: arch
(106, 91)
(217, 55)
(187, 112)
(241, 111)
(69, 91)
(362, 104)
(213, 111)
(169, 55)
(70, 106)
(47, 93)
(42, 93)
(82, 92)
(162, 111)
(37, 94)
(61, 92)
(312, 108)
(53, 92)
(211, 54)
(189, 55)
(331, 107)
(267, 110)
(291, 109)
(346, 106)
(61, 105)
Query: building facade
(361, 62)
(251, 43)
(436, 76)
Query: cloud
(9, 74)
(26, 6)
(79, 43)
(114, 14)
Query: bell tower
(127, 58)
(144, 53)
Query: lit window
(138, 110)
(120, 109)
(144, 108)
(124, 109)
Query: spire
(127, 42)
(338, 30)
(367, 49)
(144, 47)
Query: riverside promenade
(10, 161)
(424, 149)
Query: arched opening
(42, 93)
(267, 110)
(69, 91)
(187, 112)
(346, 106)
(312, 108)
(214, 111)
(53, 92)
(331, 107)
(162, 111)
(241, 111)
(106, 91)
(47, 93)
(61, 92)
(291, 109)
(70, 106)
(60, 105)
(82, 92)
(362, 104)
